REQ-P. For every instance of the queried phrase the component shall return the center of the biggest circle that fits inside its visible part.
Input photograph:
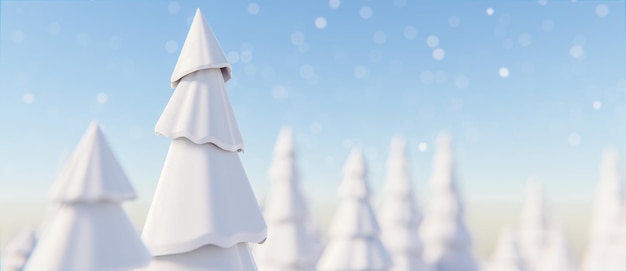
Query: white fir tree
(506, 256)
(557, 254)
(606, 248)
(204, 212)
(399, 216)
(534, 225)
(18, 250)
(446, 238)
(354, 243)
(290, 245)
(90, 230)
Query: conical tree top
(199, 109)
(200, 51)
(610, 177)
(18, 250)
(534, 210)
(285, 145)
(398, 182)
(92, 173)
(283, 168)
(443, 165)
(507, 256)
(22, 243)
(355, 173)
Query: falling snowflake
(320, 22)
(439, 54)
(334, 4)
(547, 25)
(366, 12)
(280, 93)
(461, 82)
(253, 8)
(360, 72)
(597, 105)
(576, 52)
(422, 146)
(307, 71)
(602, 10)
(102, 98)
(524, 39)
(489, 11)
(297, 38)
(503, 72)
(432, 41)
(379, 37)
(28, 98)
(173, 7)
(245, 56)
(410, 33)
(454, 21)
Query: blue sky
(348, 75)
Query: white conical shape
(354, 242)
(447, 241)
(206, 258)
(200, 111)
(534, 225)
(92, 173)
(507, 257)
(18, 250)
(85, 236)
(557, 255)
(200, 51)
(290, 243)
(607, 246)
(89, 230)
(399, 216)
(354, 184)
(203, 198)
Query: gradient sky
(342, 74)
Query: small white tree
(354, 243)
(447, 241)
(18, 250)
(204, 212)
(506, 256)
(399, 216)
(534, 225)
(90, 230)
(606, 249)
(290, 243)
(557, 255)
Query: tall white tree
(557, 255)
(534, 225)
(204, 212)
(90, 230)
(354, 243)
(447, 241)
(506, 256)
(290, 245)
(606, 248)
(399, 216)
(18, 250)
